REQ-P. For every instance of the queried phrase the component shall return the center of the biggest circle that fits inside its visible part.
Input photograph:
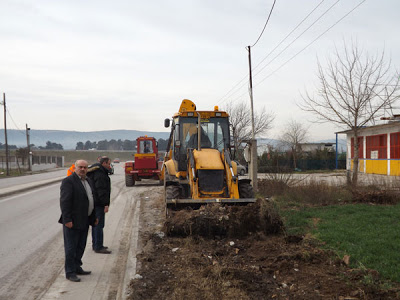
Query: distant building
(313, 147)
(379, 150)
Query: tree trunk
(355, 160)
(294, 158)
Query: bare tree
(354, 89)
(240, 118)
(294, 134)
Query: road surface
(32, 252)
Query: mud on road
(239, 253)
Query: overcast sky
(127, 64)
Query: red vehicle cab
(146, 164)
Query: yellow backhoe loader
(198, 167)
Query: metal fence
(303, 165)
(16, 162)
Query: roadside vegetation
(13, 172)
(360, 225)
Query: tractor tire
(245, 190)
(172, 192)
(129, 180)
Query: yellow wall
(395, 167)
(376, 166)
(360, 165)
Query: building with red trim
(379, 149)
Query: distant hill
(68, 139)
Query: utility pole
(29, 148)
(5, 134)
(253, 142)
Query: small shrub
(313, 193)
(375, 196)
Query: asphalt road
(21, 180)
(32, 252)
(27, 220)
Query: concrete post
(253, 170)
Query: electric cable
(284, 49)
(281, 66)
(272, 8)
(16, 126)
(285, 38)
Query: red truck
(146, 164)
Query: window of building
(360, 147)
(377, 146)
(395, 145)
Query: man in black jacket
(77, 202)
(99, 174)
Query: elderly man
(77, 201)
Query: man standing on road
(77, 201)
(99, 174)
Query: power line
(272, 8)
(276, 70)
(285, 38)
(241, 95)
(9, 114)
(284, 49)
(232, 89)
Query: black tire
(172, 192)
(129, 180)
(245, 190)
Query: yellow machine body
(197, 166)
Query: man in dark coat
(77, 201)
(99, 175)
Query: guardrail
(38, 162)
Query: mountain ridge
(69, 139)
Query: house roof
(386, 125)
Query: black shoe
(83, 272)
(104, 247)
(73, 278)
(103, 251)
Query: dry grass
(319, 193)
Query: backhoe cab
(198, 167)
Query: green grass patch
(370, 234)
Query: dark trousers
(74, 246)
(97, 231)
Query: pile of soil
(231, 252)
(216, 221)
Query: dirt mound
(229, 252)
(257, 267)
(218, 220)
